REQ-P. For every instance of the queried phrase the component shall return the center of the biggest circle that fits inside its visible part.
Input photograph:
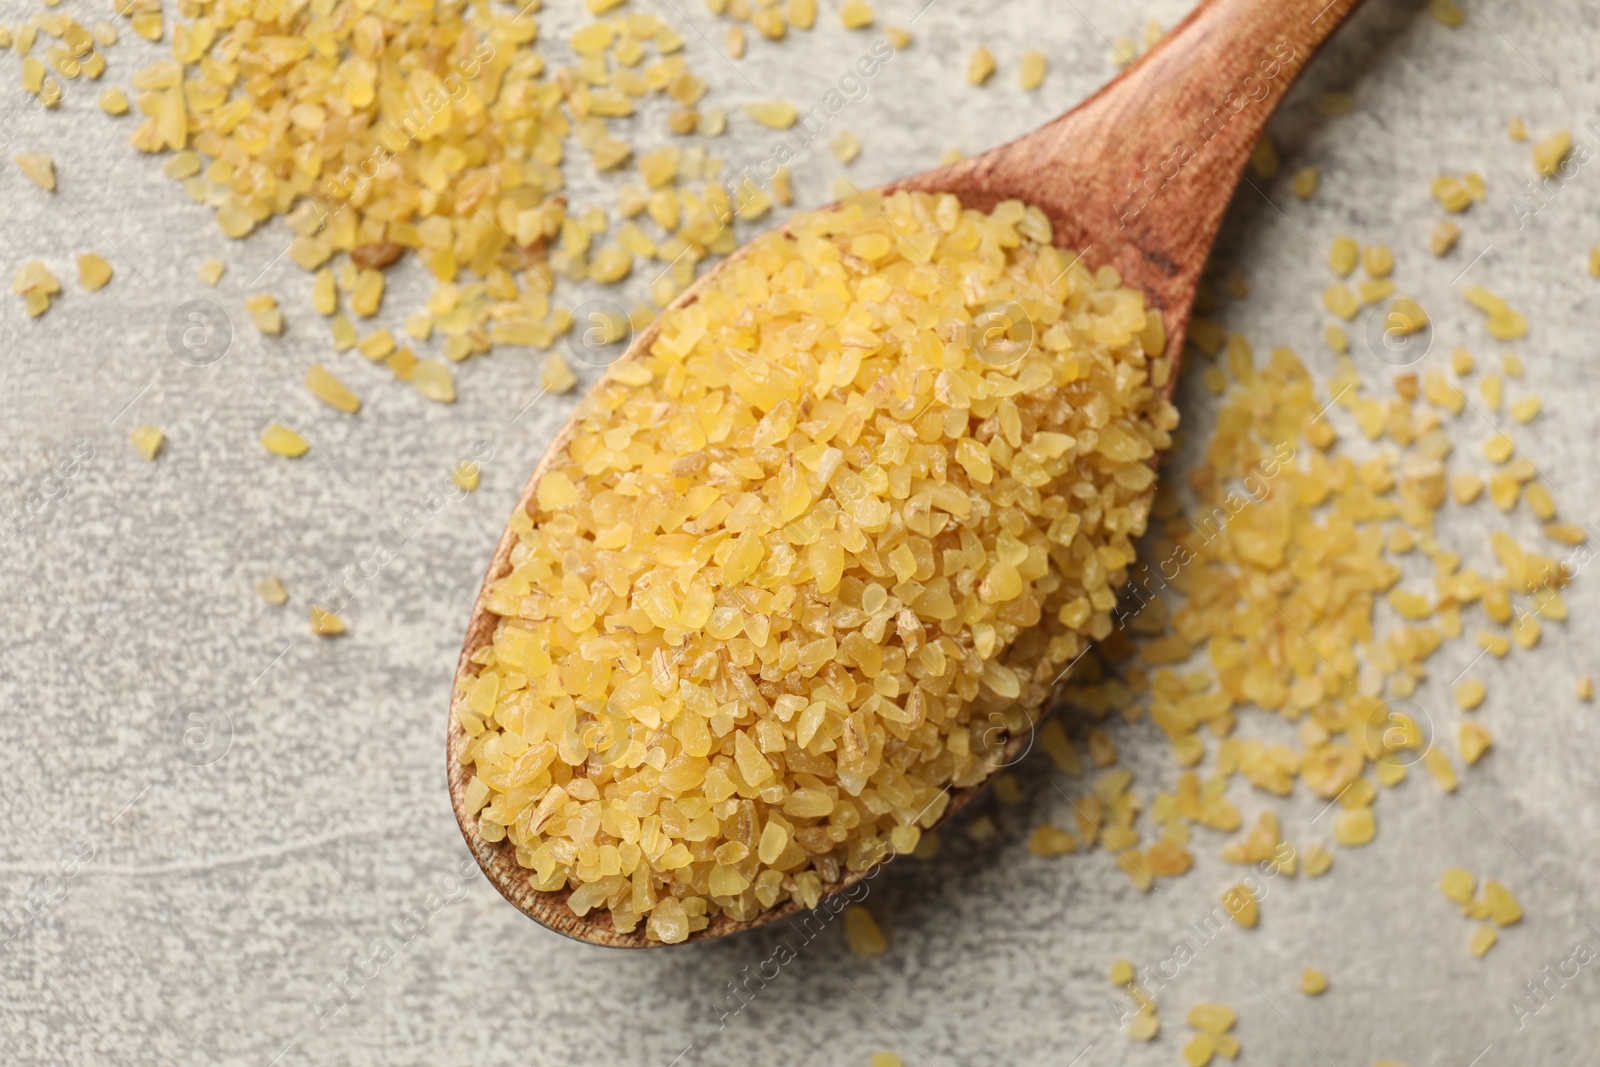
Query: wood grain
(1138, 177)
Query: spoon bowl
(1137, 178)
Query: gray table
(211, 904)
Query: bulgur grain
(148, 440)
(980, 66)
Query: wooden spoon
(1137, 176)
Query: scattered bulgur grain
(1447, 12)
(1503, 907)
(1516, 129)
(1466, 487)
(1475, 741)
(1492, 389)
(557, 376)
(774, 114)
(1304, 182)
(1318, 860)
(1462, 363)
(1378, 260)
(1212, 1018)
(39, 168)
(1047, 840)
(93, 271)
(1445, 236)
(330, 390)
(1499, 448)
(1355, 828)
(1199, 1050)
(281, 440)
(1469, 694)
(1242, 906)
(402, 363)
(265, 313)
(862, 932)
(1458, 884)
(980, 66)
(325, 623)
(1375, 290)
(1121, 972)
(1341, 301)
(113, 102)
(845, 145)
(466, 475)
(983, 829)
(1344, 254)
(1032, 68)
(1007, 790)
(210, 272)
(377, 345)
(1567, 533)
(271, 590)
(1264, 160)
(1504, 490)
(1438, 765)
(433, 380)
(1451, 193)
(1313, 983)
(1551, 152)
(148, 440)
(36, 285)
(1540, 502)
(1483, 939)
(1584, 687)
(1145, 1025)
(885, 1059)
(1124, 50)
(856, 14)
(899, 37)
(1525, 408)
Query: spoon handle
(1191, 112)
(1138, 176)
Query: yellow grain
(39, 168)
(1551, 152)
(980, 66)
(1469, 694)
(862, 932)
(1031, 69)
(327, 388)
(93, 271)
(148, 440)
(325, 623)
(282, 440)
(855, 14)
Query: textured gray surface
(212, 904)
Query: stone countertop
(214, 903)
